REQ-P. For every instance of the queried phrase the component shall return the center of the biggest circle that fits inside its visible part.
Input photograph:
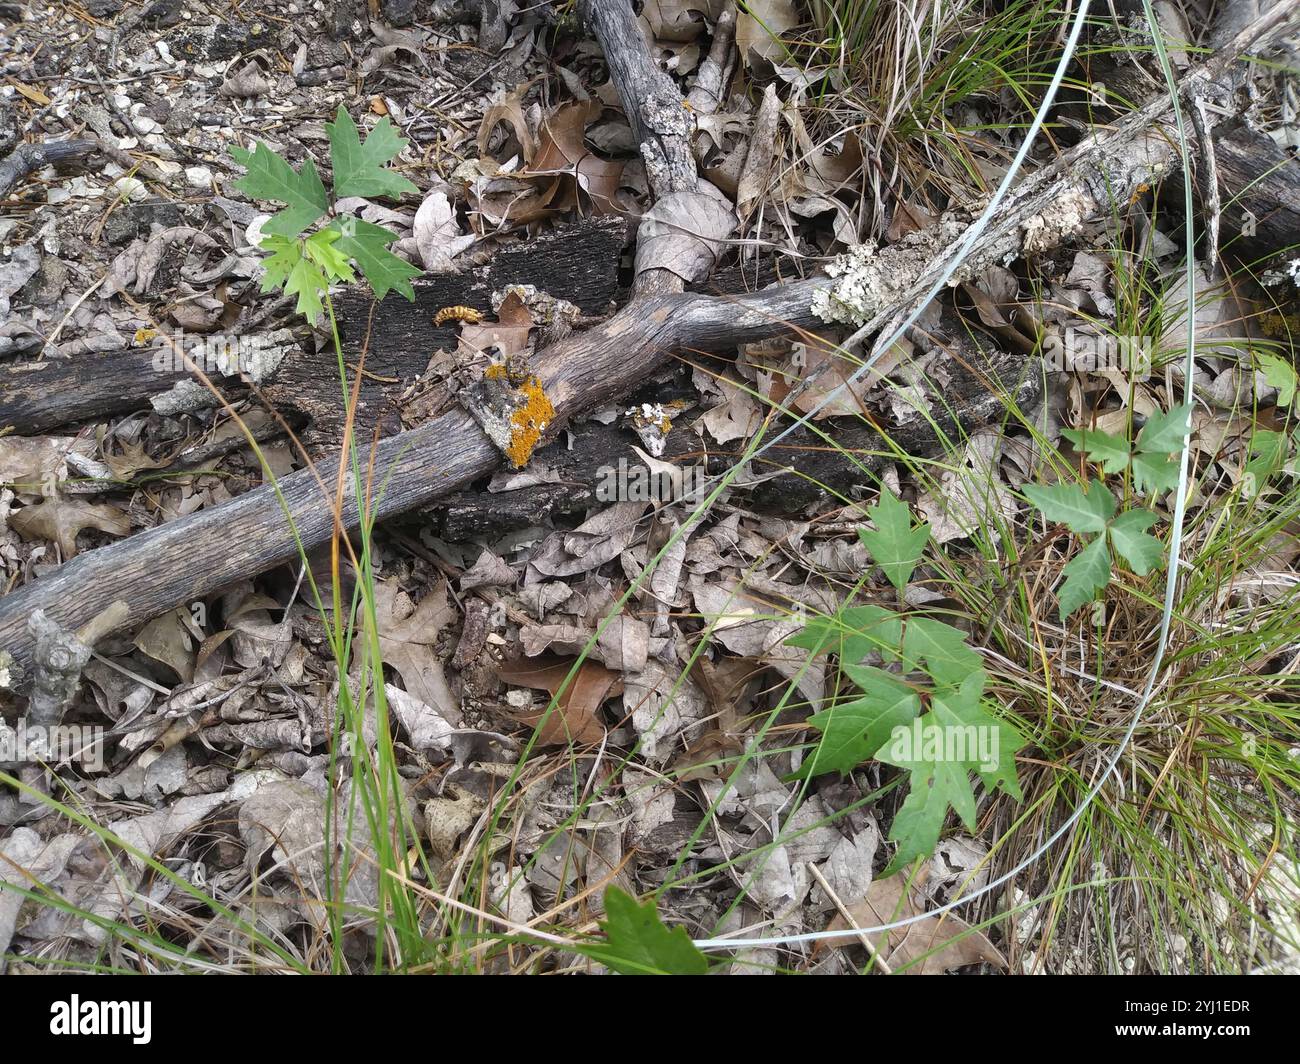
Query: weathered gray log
(1259, 182)
(981, 380)
(192, 557)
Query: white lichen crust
(870, 278)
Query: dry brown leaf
(60, 520)
(684, 231)
(576, 716)
(908, 218)
(511, 112)
(679, 20)
(760, 26)
(407, 641)
(927, 947)
(563, 156)
(495, 339)
(761, 157)
(727, 683)
(132, 459)
(437, 234)
(172, 639)
(30, 463)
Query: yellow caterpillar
(458, 313)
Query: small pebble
(199, 177)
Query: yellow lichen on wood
(528, 422)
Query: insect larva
(458, 313)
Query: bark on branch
(193, 557)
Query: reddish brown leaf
(576, 716)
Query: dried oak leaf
(564, 158)
(576, 716)
(927, 947)
(172, 639)
(28, 463)
(759, 28)
(437, 234)
(61, 519)
(407, 641)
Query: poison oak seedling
(1090, 510)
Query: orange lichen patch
(528, 422)
(497, 371)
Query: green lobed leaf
(1268, 451)
(360, 169)
(894, 544)
(1165, 431)
(1112, 452)
(853, 731)
(1129, 538)
(308, 284)
(638, 943)
(320, 248)
(1154, 473)
(271, 178)
(852, 634)
(941, 750)
(285, 253)
(1279, 373)
(1085, 574)
(1072, 506)
(368, 245)
(940, 649)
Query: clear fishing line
(1176, 535)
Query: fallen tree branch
(28, 157)
(190, 558)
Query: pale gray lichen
(1289, 271)
(1049, 230)
(869, 278)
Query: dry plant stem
(1209, 182)
(843, 910)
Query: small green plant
(638, 943)
(920, 709)
(1091, 510)
(305, 266)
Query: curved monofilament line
(1171, 582)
